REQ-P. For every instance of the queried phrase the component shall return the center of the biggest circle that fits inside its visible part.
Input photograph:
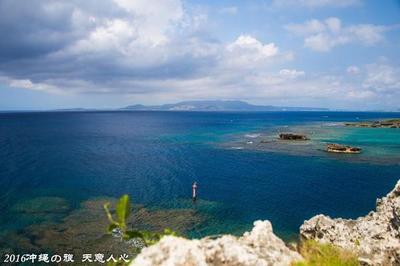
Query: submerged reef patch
(84, 230)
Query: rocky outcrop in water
(375, 238)
(258, 247)
(389, 123)
(291, 136)
(338, 148)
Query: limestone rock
(375, 237)
(256, 248)
(338, 148)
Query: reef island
(338, 148)
(389, 123)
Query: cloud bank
(163, 51)
(322, 36)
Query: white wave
(333, 124)
(255, 135)
(237, 148)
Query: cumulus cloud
(153, 18)
(68, 42)
(316, 3)
(28, 84)
(123, 47)
(162, 51)
(291, 73)
(324, 35)
(248, 51)
(382, 78)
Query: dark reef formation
(292, 136)
(389, 123)
(57, 229)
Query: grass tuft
(316, 254)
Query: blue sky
(341, 54)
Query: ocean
(55, 164)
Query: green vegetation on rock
(317, 254)
(122, 211)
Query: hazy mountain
(216, 106)
(73, 110)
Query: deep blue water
(155, 156)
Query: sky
(338, 54)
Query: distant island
(216, 106)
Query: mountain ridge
(217, 105)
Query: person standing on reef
(194, 191)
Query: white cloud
(163, 52)
(149, 35)
(309, 27)
(354, 70)
(28, 84)
(268, 81)
(324, 35)
(249, 44)
(334, 24)
(360, 95)
(382, 78)
(153, 18)
(291, 73)
(323, 42)
(367, 33)
(113, 34)
(248, 51)
(316, 3)
(149, 24)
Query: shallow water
(155, 156)
(379, 145)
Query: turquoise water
(375, 141)
(379, 145)
(75, 158)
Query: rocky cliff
(258, 247)
(375, 238)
